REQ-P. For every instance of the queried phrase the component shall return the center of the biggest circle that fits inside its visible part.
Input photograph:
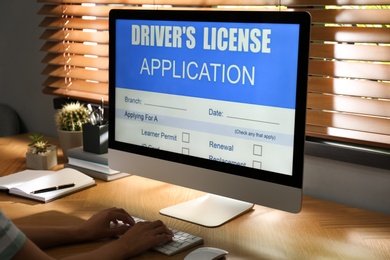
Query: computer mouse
(206, 253)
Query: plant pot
(42, 162)
(69, 139)
(95, 138)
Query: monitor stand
(209, 210)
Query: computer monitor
(214, 101)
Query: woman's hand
(99, 226)
(143, 236)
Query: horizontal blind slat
(170, 2)
(350, 34)
(75, 10)
(228, 2)
(76, 73)
(361, 88)
(77, 60)
(349, 16)
(333, 2)
(347, 121)
(78, 85)
(75, 35)
(350, 52)
(344, 135)
(74, 23)
(76, 48)
(78, 11)
(346, 104)
(74, 94)
(345, 69)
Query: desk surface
(321, 230)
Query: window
(349, 82)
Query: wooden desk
(323, 230)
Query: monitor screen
(211, 100)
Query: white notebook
(26, 182)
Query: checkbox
(256, 165)
(185, 151)
(257, 149)
(185, 137)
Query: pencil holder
(95, 138)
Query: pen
(101, 113)
(59, 187)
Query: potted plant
(40, 154)
(69, 120)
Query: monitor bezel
(301, 18)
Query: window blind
(349, 67)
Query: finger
(159, 228)
(163, 238)
(120, 230)
(155, 228)
(163, 230)
(122, 215)
(117, 231)
(156, 224)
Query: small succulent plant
(72, 116)
(38, 144)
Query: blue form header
(250, 63)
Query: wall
(347, 183)
(21, 67)
(20, 87)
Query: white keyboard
(181, 241)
